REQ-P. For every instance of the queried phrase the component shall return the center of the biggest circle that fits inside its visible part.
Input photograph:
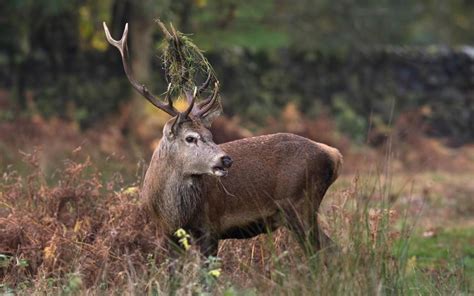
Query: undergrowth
(85, 235)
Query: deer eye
(191, 139)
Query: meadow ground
(71, 223)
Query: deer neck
(176, 196)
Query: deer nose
(226, 161)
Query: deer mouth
(219, 171)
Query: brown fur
(270, 178)
(276, 180)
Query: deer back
(270, 173)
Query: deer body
(270, 174)
(276, 180)
(267, 187)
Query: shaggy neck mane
(176, 196)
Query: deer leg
(302, 219)
(296, 223)
(173, 247)
(327, 243)
(317, 237)
(173, 251)
(208, 246)
(207, 243)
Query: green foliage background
(354, 59)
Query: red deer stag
(234, 190)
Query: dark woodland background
(390, 83)
(361, 62)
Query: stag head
(187, 141)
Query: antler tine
(191, 100)
(121, 45)
(208, 99)
(209, 102)
(206, 83)
(163, 29)
(168, 96)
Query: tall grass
(84, 235)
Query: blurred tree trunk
(183, 10)
(140, 16)
(141, 43)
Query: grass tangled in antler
(184, 63)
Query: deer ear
(176, 125)
(171, 129)
(209, 117)
(167, 132)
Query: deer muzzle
(221, 170)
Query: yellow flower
(131, 190)
(180, 233)
(185, 243)
(215, 272)
(183, 238)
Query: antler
(191, 100)
(207, 104)
(206, 83)
(203, 107)
(121, 45)
(198, 111)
